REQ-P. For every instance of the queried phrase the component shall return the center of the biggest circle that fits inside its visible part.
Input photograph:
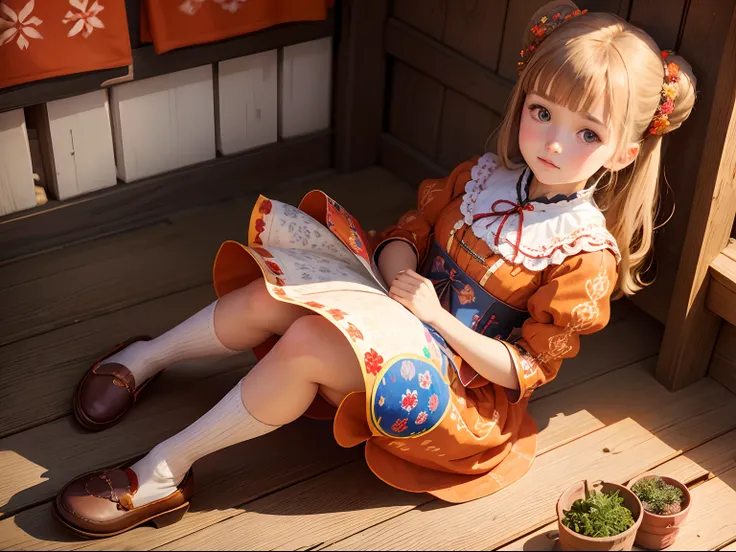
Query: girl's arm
(489, 357)
(395, 257)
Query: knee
(309, 332)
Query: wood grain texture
(407, 163)
(426, 15)
(148, 201)
(663, 25)
(721, 296)
(447, 66)
(634, 444)
(476, 29)
(415, 109)
(714, 204)
(360, 80)
(723, 362)
(709, 460)
(465, 130)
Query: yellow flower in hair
(669, 91)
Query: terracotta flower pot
(657, 532)
(570, 540)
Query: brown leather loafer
(106, 392)
(100, 504)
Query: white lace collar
(551, 230)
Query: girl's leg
(311, 355)
(244, 318)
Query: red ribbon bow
(515, 209)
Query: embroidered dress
(39, 40)
(536, 274)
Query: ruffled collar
(536, 233)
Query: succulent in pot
(666, 504)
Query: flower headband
(541, 30)
(667, 98)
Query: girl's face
(562, 146)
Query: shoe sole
(169, 517)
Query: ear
(616, 163)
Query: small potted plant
(604, 518)
(666, 503)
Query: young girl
(504, 264)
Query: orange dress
(561, 269)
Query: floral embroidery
(427, 193)
(584, 316)
(19, 24)
(428, 336)
(190, 7)
(86, 19)
(373, 362)
(231, 5)
(409, 400)
(426, 352)
(337, 314)
(273, 267)
(354, 332)
(434, 402)
(400, 425)
(381, 401)
(408, 370)
(425, 380)
(314, 304)
(421, 418)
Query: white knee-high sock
(194, 338)
(226, 424)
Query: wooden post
(360, 80)
(691, 328)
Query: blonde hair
(599, 56)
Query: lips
(548, 163)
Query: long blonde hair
(599, 56)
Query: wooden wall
(452, 64)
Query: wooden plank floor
(604, 417)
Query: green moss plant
(598, 515)
(658, 497)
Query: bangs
(579, 74)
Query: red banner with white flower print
(43, 39)
(178, 23)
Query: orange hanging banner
(43, 39)
(178, 23)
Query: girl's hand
(417, 294)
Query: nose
(554, 147)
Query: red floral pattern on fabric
(337, 314)
(354, 332)
(266, 207)
(425, 380)
(400, 425)
(373, 362)
(273, 267)
(409, 400)
(421, 418)
(434, 402)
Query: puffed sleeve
(415, 227)
(574, 300)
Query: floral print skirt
(423, 430)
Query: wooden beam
(447, 66)
(691, 328)
(147, 63)
(359, 83)
(138, 203)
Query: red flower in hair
(556, 16)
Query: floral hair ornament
(667, 98)
(541, 30)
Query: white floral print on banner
(231, 5)
(18, 25)
(191, 7)
(86, 19)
